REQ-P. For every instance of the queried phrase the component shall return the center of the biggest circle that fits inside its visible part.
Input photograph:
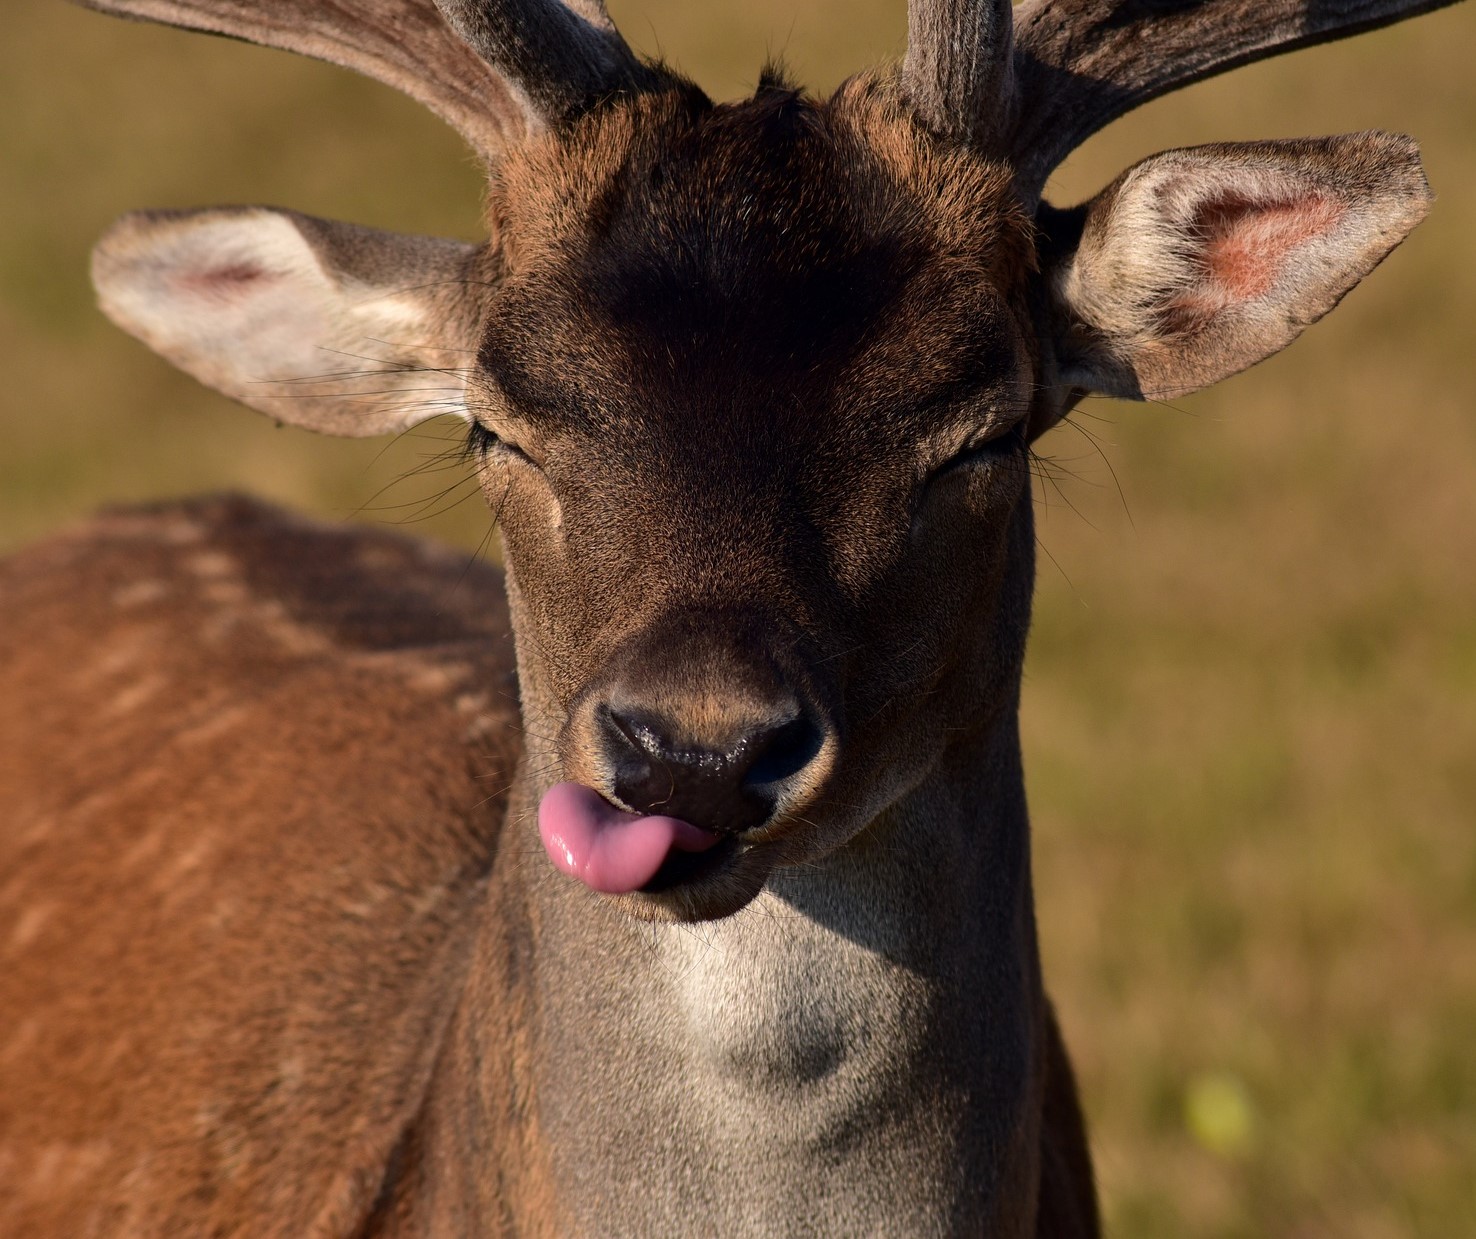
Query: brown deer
(346, 890)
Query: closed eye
(482, 442)
(983, 450)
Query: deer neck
(856, 1052)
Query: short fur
(751, 389)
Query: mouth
(681, 869)
(665, 867)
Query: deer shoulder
(255, 773)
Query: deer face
(751, 411)
(751, 387)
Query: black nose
(728, 789)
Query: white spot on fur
(136, 782)
(215, 726)
(225, 593)
(139, 593)
(135, 695)
(181, 532)
(367, 908)
(212, 565)
(62, 1165)
(29, 924)
(431, 680)
(482, 722)
(145, 849)
(293, 637)
(428, 900)
(124, 652)
(291, 1071)
(380, 558)
(183, 865)
(471, 703)
(38, 830)
(222, 915)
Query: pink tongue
(606, 848)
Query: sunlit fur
(741, 341)
(755, 385)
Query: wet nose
(728, 787)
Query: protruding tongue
(606, 848)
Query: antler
(958, 69)
(561, 55)
(493, 69)
(1080, 64)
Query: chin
(725, 881)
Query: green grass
(1250, 712)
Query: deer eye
(985, 448)
(482, 441)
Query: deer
(676, 879)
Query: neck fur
(858, 1051)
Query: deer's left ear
(339, 329)
(1198, 263)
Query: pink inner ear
(1247, 241)
(224, 281)
(1243, 244)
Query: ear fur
(340, 329)
(1198, 263)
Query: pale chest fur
(800, 1068)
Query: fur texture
(751, 389)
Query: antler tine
(561, 54)
(1080, 64)
(958, 68)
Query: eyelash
(479, 440)
(1006, 444)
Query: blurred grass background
(1250, 714)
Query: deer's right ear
(339, 329)
(1198, 263)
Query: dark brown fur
(751, 388)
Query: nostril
(779, 753)
(728, 783)
(637, 751)
(639, 732)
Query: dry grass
(1251, 701)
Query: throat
(782, 1005)
(877, 1010)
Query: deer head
(751, 387)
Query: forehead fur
(676, 271)
(814, 178)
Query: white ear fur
(340, 329)
(1198, 263)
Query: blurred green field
(1251, 697)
